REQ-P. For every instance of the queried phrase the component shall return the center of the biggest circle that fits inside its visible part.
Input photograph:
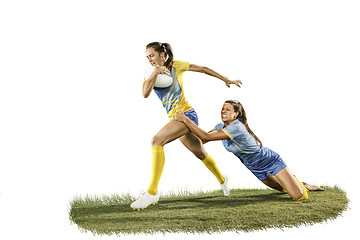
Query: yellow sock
(305, 194)
(211, 165)
(158, 163)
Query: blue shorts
(264, 163)
(191, 114)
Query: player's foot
(145, 200)
(312, 188)
(225, 186)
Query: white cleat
(145, 200)
(225, 186)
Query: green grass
(246, 210)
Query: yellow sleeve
(181, 66)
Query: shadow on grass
(183, 203)
(221, 202)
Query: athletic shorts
(264, 163)
(191, 114)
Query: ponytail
(166, 49)
(169, 54)
(238, 107)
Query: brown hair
(238, 107)
(166, 49)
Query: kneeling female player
(238, 138)
(160, 56)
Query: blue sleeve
(219, 126)
(233, 131)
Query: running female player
(160, 56)
(238, 138)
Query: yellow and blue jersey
(172, 97)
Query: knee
(296, 196)
(304, 196)
(200, 155)
(299, 196)
(157, 141)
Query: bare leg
(168, 133)
(272, 183)
(194, 144)
(286, 179)
(171, 131)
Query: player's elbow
(146, 93)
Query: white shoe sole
(144, 207)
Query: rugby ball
(163, 81)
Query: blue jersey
(240, 142)
(260, 160)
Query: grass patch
(246, 210)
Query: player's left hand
(236, 82)
(180, 116)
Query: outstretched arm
(208, 71)
(204, 136)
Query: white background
(73, 121)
